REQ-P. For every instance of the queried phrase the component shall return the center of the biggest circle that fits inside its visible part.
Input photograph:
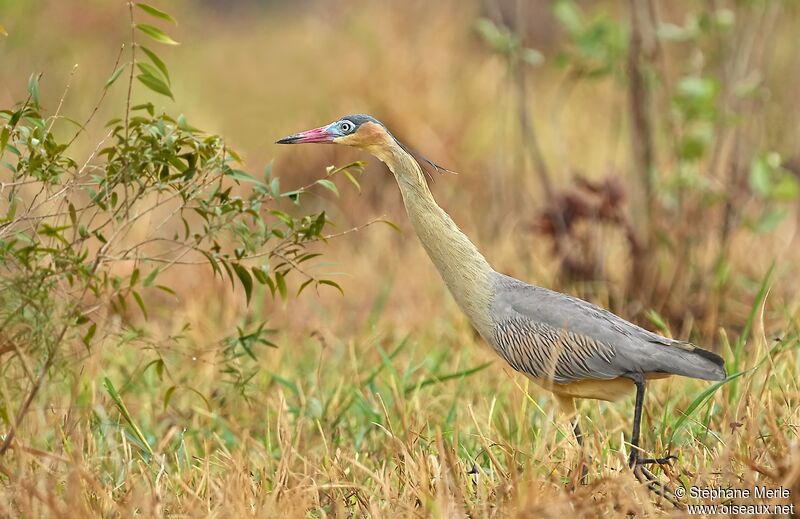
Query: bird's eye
(346, 126)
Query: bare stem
(133, 67)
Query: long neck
(464, 270)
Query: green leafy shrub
(699, 149)
(85, 240)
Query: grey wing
(593, 343)
(550, 353)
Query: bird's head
(360, 131)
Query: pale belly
(608, 390)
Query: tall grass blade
(123, 410)
(444, 378)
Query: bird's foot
(635, 459)
(656, 486)
(646, 477)
(666, 460)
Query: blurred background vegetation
(642, 155)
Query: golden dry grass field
(640, 155)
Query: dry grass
(349, 417)
(351, 427)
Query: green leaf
(155, 84)
(329, 185)
(569, 15)
(304, 285)
(115, 75)
(333, 284)
(701, 399)
(123, 410)
(87, 339)
(787, 188)
(145, 106)
(202, 397)
(156, 61)
(695, 142)
(4, 136)
(694, 97)
(149, 70)
(260, 275)
(140, 302)
(760, 176)
(246, 279)
(158, 364)
(33, 88)
(391, 224)
(168, 396)
(285, 218)
(156, 34)
(357, 165)
(238, 174)
(150, 277)
(281, 284)
(352, 180)
(158, 13)
(134, 277)
(442, 378)
(166, 289)
(271, 285)
(532, 56)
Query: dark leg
(576, 428)
(635, 461)
(635, 457)
(666, 460)
(637, 420)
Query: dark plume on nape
(421, 159)
(359, 119)
(424, 160)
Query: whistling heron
(569, 346)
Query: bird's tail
(699, 363)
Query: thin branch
(130, 79)
(61, 101)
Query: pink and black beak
(321, 134)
